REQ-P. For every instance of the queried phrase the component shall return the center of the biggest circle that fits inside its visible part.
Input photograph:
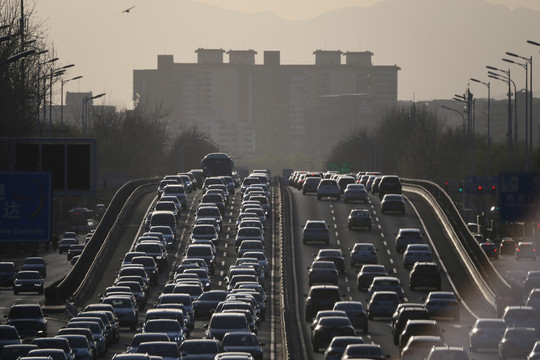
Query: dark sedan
(323, 272)
(327, 328)
(334, 255)
(393, 203)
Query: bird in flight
(128, 10)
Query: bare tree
(23, 65)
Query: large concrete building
(259, 109)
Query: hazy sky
(107, 45)
(302, 9)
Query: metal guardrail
(59, 292)
(284, 235)
(484, 266)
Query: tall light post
(531, 105)
(467, 99)
(62, 99)
(55, 72)
(84, 118)
(37, 86)
(45, 91)
(488, 156)
(463, 149)
(525, 66)
(509, 141)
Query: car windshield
(373, 269)
(34, 261)
(28, 275)
(342, 342)
(363, 247)
(240, 340)
(386, 296)
(316, 225)
(334, 321)
(208, 211)
(118, 303)
(442, 297)
(325, 294)
(349, 306)
(163, 349)
(21, 312)
(204, 230)
(228, 322)
(140, 338)
(199, 347)
(364, 352)
(323, 265)
(330, 253)
(162, 326)
(199, 251)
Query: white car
(328, 188)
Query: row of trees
(414, 142)
(21, 77)
(130, 143)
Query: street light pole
(488, 155)
(531, 105)
(525, 66)
(62, 99)
(84, 117)
(55, 72)
(510, 150)
(463, 148)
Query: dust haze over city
(435, 46)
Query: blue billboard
(519, 196)
(25, 207)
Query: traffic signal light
(460, 188)
(493, 190)
(446, 186)
(479, 189)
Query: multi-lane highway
(306, 207)
(382, 236)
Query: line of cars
(352, 187)
(33, 271)
(90, 333)
(415, 326)
(232, 314)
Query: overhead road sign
(519, 196)
(25, 207)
